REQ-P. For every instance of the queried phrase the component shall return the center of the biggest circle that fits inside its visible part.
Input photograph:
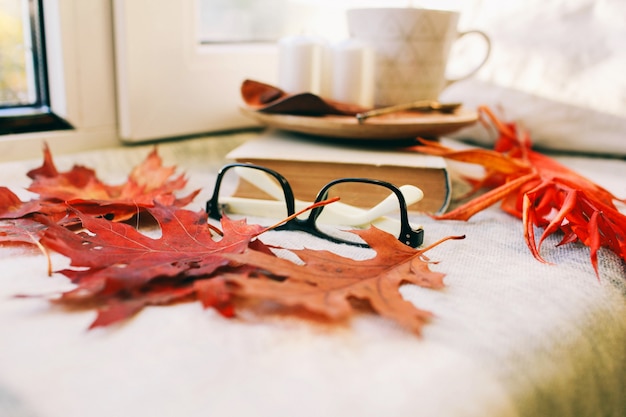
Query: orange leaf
(540, 191)
(327, 282)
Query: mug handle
(473, 71)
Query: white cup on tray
(412, 47)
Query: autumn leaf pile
(118, 269)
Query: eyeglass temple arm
(264, 182)
(335, 213)
(411, 193)
(273, 208)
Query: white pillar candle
(326, 71)
(300, 64)
(353, 73)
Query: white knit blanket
(511, 336)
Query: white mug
(411, 47)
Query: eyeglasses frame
(408, 236)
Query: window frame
(108, 61)
(168, 84)
(81, 77)
(35, 116)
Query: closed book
(310, 163)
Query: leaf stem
(304, 210)
(215, 229)
(440, 241)
(43, 250)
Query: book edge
(299, 149)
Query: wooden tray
(401, 125)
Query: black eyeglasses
(260, 191)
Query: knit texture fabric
(510, 337)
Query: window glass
(24, 101)
(268, 20)
(17, 81)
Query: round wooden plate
(400, 125)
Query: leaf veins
(326, 283)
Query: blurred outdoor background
(15, 54)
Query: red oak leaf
(327, 283)
(148, 182)
(119, 309)
(11, 207)
(215, 293)
(16, 222)
(121, 268)
(118, 252)
(25, 230)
